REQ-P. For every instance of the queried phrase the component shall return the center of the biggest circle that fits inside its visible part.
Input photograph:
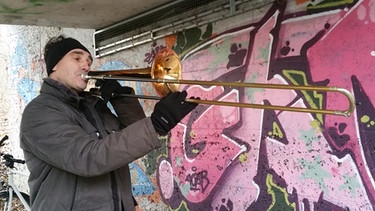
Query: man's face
(70, 68)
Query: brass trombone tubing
(343, 91)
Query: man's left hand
(109, 89)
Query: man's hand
(170, 110)
(108, 89)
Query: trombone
(165, 74)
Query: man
(76, 150)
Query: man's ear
(55, 67)
(53, 70)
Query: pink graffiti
(307, 47)
(196, 177)
(340, 53)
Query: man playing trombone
(76, 150)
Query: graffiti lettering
(198, 181)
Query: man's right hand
(170, 110)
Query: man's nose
(86, 67)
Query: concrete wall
(22, 69)
(231, 158)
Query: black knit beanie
(56, 52)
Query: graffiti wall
(232, 158)
(226, 158)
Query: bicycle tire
(16, 202)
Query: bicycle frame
(13, 188)
(10, 186)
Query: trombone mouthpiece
(85, 76)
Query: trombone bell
(166, 65)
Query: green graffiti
(276, 132)
(250, 93)
(150, 160)
(329, 4)
(184, 187)
(178, 161)
(243, 157)
(316, 125)
(183, 207)
(309, 137)
(313, 170)
(314, 99)
(366, 120)
(191, 38)
(279, 196)
(264, 53)
(220, 55)
(351, 184)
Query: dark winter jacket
(77, 152)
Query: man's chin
(82, 87)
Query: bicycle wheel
(16, 202)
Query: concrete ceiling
(86, 14)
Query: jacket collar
(51, 86)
